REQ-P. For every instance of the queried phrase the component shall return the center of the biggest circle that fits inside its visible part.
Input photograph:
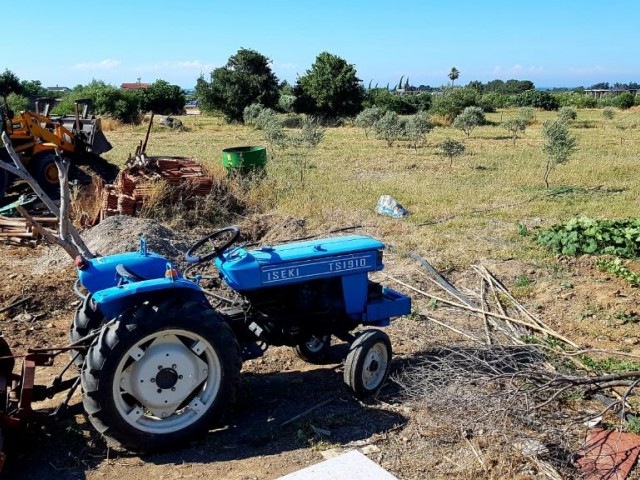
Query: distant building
(134, 86)
(599, 92)
(58, 89)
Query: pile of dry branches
(511, 378)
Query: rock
(531, 448)
(370, 449)
(330, 453)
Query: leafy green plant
(610, 364)
(633, 425)
(522, 229)
(619, 269)
(596, 237)
(627, 317)
(251, 113)
(523, 281)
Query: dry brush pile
(513, 395)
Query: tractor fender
(113, 301)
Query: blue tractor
(167, 360)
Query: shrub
(264, 118)
(367, 119)
(389, 101)
(17, 103)
(389, 128)
(609, 113)
(453, 101)
(469, 119)
(576, 99)
(624, 101)
(123, 105)
(537, 99)
(566, 114)
(251, 113)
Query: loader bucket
(91, 136)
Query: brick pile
(134, 185)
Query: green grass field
(459, 214)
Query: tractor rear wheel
(160, 375)
(367, 365)
(86, 319)
(317, 350)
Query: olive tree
(558, 146)
(389, 128)
(367, 119)
(566, 114)
(451, 148)
(469, 119)
(514, 126)
(416, 129)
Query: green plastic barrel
(244, 159)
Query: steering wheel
(232, 232)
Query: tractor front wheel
(367, 365)
(160, 375)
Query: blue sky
(552, 43)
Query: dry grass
(464, 213)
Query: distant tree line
(108, 100)
(330, 89)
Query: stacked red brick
(134, 185)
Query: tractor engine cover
(349, 257)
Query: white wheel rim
(167, 381)
(374, 367)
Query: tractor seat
(127, 274)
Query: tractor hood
(297, 262)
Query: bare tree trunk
(20, 171)
(546, 174)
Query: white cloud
(106, 64)
(284, 66)
(195, 65)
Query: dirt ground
(571, 295)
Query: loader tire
(86, 319)
(160, 375)
(43, 168)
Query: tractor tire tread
(143, 317)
